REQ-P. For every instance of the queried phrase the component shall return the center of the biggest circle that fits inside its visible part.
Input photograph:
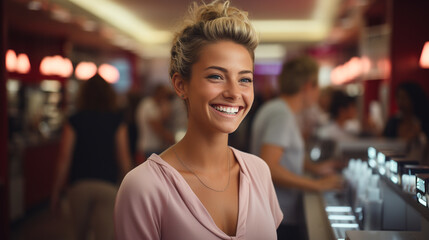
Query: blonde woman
(200, 188)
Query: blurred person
(315, 116)
(200, 188)
(342, 113)
(152, 116)
(412, 117)
(323, 103)
(93, 158)
(277, 139)
(179, 118)
(133, 100)
(411, 122)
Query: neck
(294, 102)
(204, 150)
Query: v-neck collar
(197, 208)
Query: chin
(228, 129)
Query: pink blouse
(155, 202)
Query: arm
(324, 168)
(63, 163)
(122, 150)
(285, 178)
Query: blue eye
(247, 80)
(216, 77)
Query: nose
(232, 90)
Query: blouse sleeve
(138, 206)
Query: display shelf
(410, 199)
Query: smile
(226, 110)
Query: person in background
(133, 100)
(411, 122)
(342, 111)
(323, 103)
(276, 138)
(200, 188)
(315, 116)
(93, 158)
(412, 117)
(152, 116)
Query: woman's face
(220, 91)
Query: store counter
(390, 213)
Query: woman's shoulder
(146, 177)
(252, 162)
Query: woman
(200, 188)
(412, 118)
(94, 156)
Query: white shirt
(147, 111)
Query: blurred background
(364, 47)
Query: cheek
(249, 95)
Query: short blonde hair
(296, 73)
(206, 24)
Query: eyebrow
(225, 70)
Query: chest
(245, 214)
(223, 206)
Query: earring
(183, 96)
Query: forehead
(226, 54)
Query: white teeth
(228, 110)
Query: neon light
(85, 70)
(23, 64)
(56, 65)
(108, 72)
(11, 60)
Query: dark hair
(340, 100)
(96, 95)
(296, 73)
(419, 102)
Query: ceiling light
(123, 19)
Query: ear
(180, 85)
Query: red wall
(4, 183)
(39, 164)
(372, 92)
(410, 30)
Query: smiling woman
(200, 188)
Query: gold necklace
(199, 179)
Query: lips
(231, 110)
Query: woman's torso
(94, 152)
